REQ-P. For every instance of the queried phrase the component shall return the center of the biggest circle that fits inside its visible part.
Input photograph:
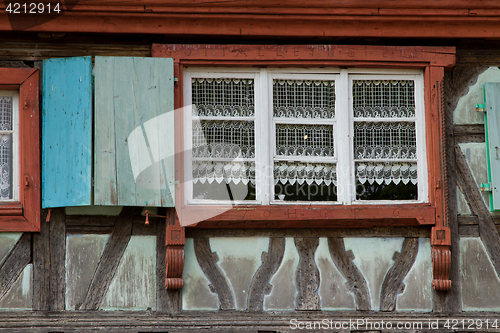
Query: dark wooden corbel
(174, 259)
(441, 258)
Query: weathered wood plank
(271, 261)
(41, 267)
(467, 133)
(307, 274)
(393, 281)
(161, 292)
(218, 283)
(67, 132)
(220, 321)
(452, 302)
(312, 232)
(57, 225)
(40, 51)
(134, 131)
(14, 263)
(355, 280)
(487, 229)
(105, 191)
(111, 256)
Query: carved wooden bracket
(174, 259)
(441, 258)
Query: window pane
(383, 98)
(223, 97)
(304, 140)
(5, 113)
(304, 99)
(377, 142)
(223, 139)
(224, 180)
(218, 143)
(5, 166)
(295, 181)
(385, 140)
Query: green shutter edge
(490, 193)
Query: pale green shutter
(134, 132)
(492, 95)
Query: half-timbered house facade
(249, 166)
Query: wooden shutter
(66, 132)
(134, 132)
(492, 94)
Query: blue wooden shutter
(134, 132)
(492, 95)
(66, 132)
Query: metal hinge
(485, 187)
(480, 108)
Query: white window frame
(15, 143)
(265, 127)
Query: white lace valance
(309, 173)
(223, 97)
(373, 172)
(304, 140)
(304, 99)
(383, 98)
(385, 140)
(236, 172)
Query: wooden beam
(469, 133)
(271, 261)
(41, 267)
(110, 259)
(162, 304)
(218, 283)
(219, 321)
(57, 245)
(14, 263)
(393, 281)
(39, 51)
(440, 20)
(437, 56)
(356, 282)
(307, 274)
(312, 232)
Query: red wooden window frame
(432, 60)
(24, 215)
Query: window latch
(485, 187)
(148, 215)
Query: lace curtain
(5, 148)
(304, 99)
(223, 139)
(387, 172)
(297, 172)
(385, 140)
(304, 140)
(383, 98)
(236, 172)
(215, 142)
(223, 97)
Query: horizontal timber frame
(221, 321)
(432, 60)
(336, 18)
